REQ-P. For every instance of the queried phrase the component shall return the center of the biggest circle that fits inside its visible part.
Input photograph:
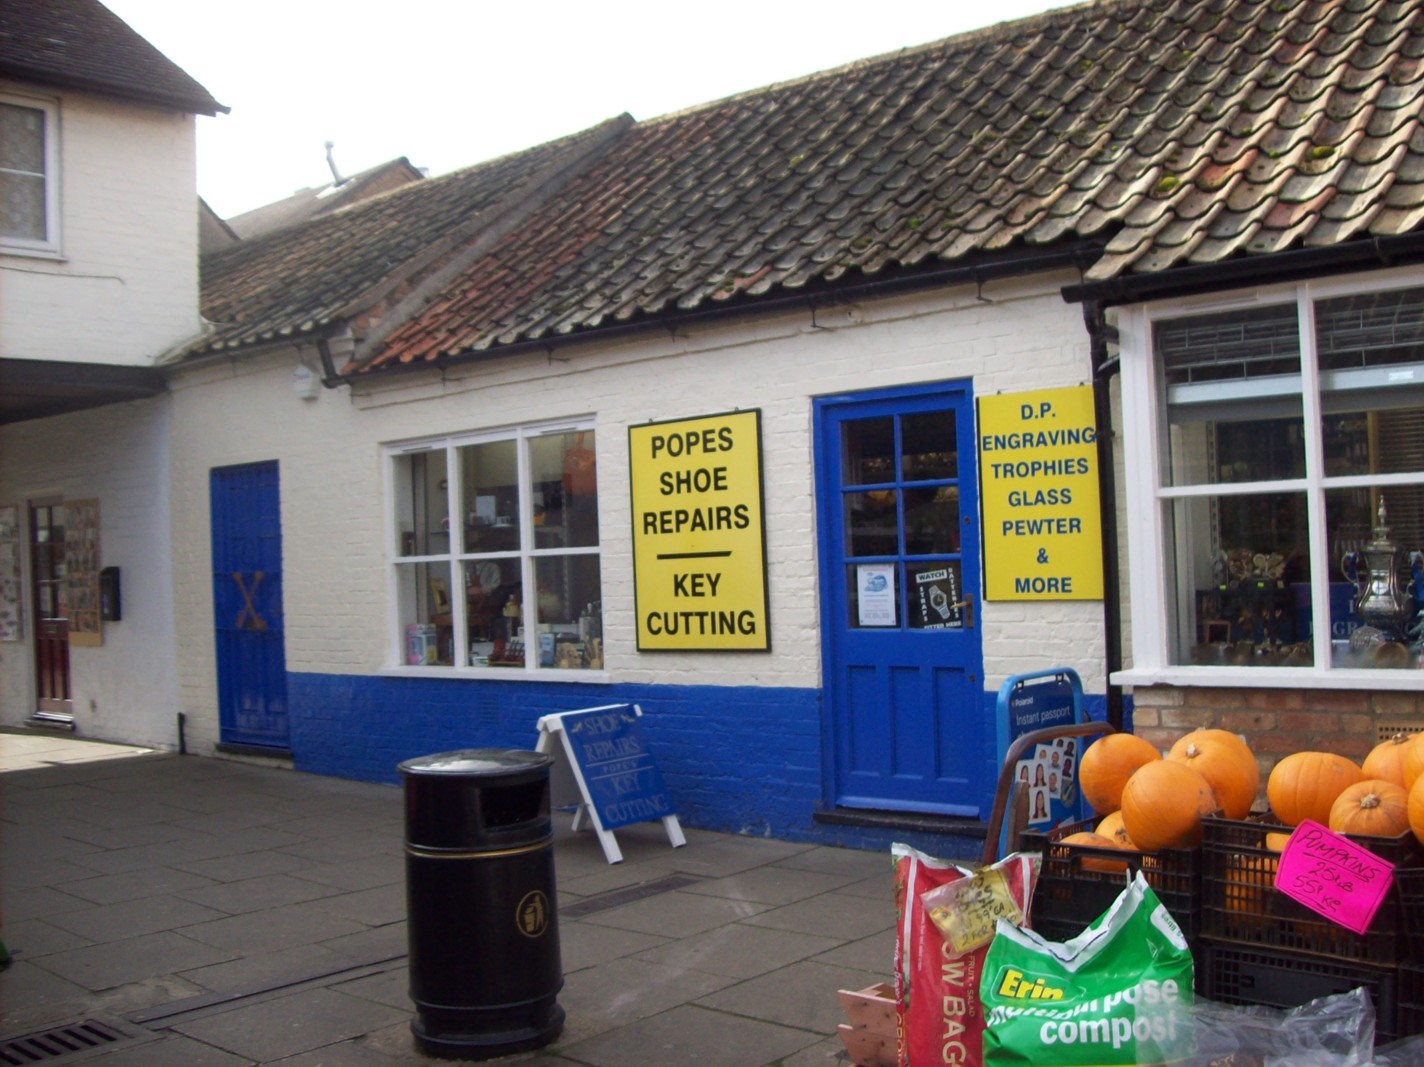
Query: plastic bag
(1334, 1031)
(1111, 995)
(938, 1016)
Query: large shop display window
(496, 556)
(1290, 481)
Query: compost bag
(1118, 993)
(946, 918)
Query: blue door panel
(896, 496)
(247, 605)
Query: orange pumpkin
(1112, 828)
(1095, 863)
(1227, 763)
(1163, 804)
(1386, 760)
(1413, 760)
(1108, 764)
(1415, 810)
(1305, 785)
(1373, 807)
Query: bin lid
(477, 762)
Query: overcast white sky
(449, 83)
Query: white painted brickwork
(126, 287)
(125, 689)
(329, 450)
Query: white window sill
(504, 674)
(1270, 678)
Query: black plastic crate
(1070, 894)
(1411, 1000)
(1239, 900)
(1240, 974)
(1409, 884)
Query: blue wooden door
(247, 605)
(897, 504)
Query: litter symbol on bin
(533, 914)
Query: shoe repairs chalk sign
(612, 768)
(699, 541)
(1038, 486)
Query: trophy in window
(1374, 572)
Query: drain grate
(618, 897)
(47, 1046)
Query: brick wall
(1277, 722)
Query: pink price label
(1334, 876)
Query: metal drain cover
(67, 1041)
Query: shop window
(29, 175)
(496, 551)
(1288, 478)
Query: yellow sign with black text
(1038, 489)
(699, 542)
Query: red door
(50, 610)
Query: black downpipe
(182, 740)
(1103, 370)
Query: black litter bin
(484, 938)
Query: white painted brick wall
(335, 574)
(126, 288)
(126, 688)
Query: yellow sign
(1038, 474)
(699, 547)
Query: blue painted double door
(898, 510)
(247, 605)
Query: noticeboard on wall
(81, 572)
(699, 544)
(1038, 488)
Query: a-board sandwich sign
(699, 541)
(613, 769)
(1038, 489)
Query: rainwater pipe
(1105, 365)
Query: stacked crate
(1074, 887)
(1259, 946)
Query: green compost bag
(1119, 993)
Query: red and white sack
(940, 1019)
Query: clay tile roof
(308, 279)
(308, 203)
(1153, 133)
(80, 44)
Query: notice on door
(1038, 476)
(699, 544)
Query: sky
(451, 83)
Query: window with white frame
(29, 175)
(1288, 480)
(495, 546)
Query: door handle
(967, 604)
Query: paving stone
(274, 928)
(236, 868)
(584, 945)
(739, 951)
(171, 1050)
(269, 968)
(802, 995)
(39, 901)
(875, 953)
(134, 885)
(391, 988)
(120, 962)
(688, 1035)
(134, 918)
(771, 885)
(373, 945)
(678, 913)
(27, 990)
(285, 1026)
(372, 907)
(32, 938)
(847, 915)
(365, 873)
(856, 863)
(256, 894)
(615, 993)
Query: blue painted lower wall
(742, 760)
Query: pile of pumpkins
(1148, 801)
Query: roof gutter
(1283, 266)
(1077, 258)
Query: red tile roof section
(1163, 133)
